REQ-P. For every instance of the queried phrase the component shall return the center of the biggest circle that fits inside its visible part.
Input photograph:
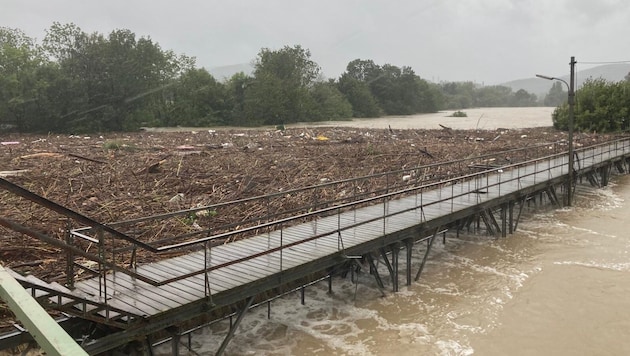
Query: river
(558, 286)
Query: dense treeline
(601, 106)
(461, 95)
(79, 82)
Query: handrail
(322, 185)
(310, 207)
(26, 194)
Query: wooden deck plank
(221, 277)
(256, 247)
(130, 305)
(124, 288)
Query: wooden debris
(86, 158)
(18, 172)
(153, 167)
(43, 155)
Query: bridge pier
(234, 326)
(395, 249)
(409, 250)
(374, 272)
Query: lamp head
(545, 77)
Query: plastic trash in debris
(321, 138)
(177, 198)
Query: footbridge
(142, 282)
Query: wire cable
(612, 62)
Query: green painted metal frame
(49, 335)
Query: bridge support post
(409, 250)
(69, 258)
(620, 167)
(233, 328)
(390, 269)
(511, 217)
(426, 253)
(330, 280)
(395, 248)
(175, 338)
(604, 172)
(504, 220)
(374, 270)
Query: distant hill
(226, 72)
(540, 87)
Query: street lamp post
(571, 89)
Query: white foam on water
(600, 199)
(621, 267)
(453, 348)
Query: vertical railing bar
(281, 245)
(69, 256)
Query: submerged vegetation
(459, 113)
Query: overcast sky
(487, 41)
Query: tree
(280, 91)
(602, 107)
(235, 99)
(556, 95)
(397, 91)
(523, 99)
(114, 83)
(199, 100)
(458, 95)
(492, 96)
(359, 96)
(330, 103)
(24, 80)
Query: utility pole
(571, 124)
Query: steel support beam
(233, 328)
(426, 253)
(409, 250)
(377, 276)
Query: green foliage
(462, 95)
(78, 82)
(330, 103)
(359, 96)
(117, 145)
(372, 89)
(522, 99)
(601, 106)
(280, 92)
(198, 100)
(459, 113)
(556, 95)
